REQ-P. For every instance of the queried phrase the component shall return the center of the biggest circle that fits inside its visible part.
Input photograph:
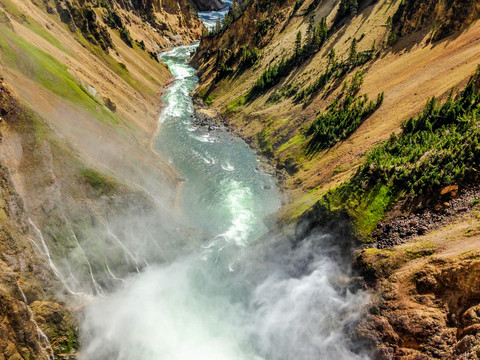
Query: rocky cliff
(173, 20)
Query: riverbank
(211, 121)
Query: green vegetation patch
(475, 203)
(343, 116)
(27, 21)
(237, 104)
(439, 147)
(209, 99)
(43, 68)
(316, 36)
(265, 143)
(365, 208)
(298, 139)
(98, 180)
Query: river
(236, 293)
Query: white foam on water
(228, 167)
(205, 138)
(238, 201)
(209, 161)
(181, 72)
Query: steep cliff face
(427, 304)
(439, 18)
(173, 20)
(35, 324)
(265, 17)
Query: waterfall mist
(204, 279)
(279, 302)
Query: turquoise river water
(235, 293)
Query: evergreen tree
(353, 7)
(352, 58)
(298, 44)
(236, 10)
(322, 31)
(311, 32)
(332, 61)
(348, 7)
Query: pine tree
(332, 58)
(353, 7)
(311, 32)
(298, 44)
(352, 58)
(321, 33)
(218, 25)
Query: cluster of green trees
(343, 116)
(85, 19)
(337, 68)
(315, 38)
(114, 21)
(439, 147)
(236, 10)
(350, 8)
(347, 8)
(249, 57)
(231, 61)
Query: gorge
(198, 179)
(227, 295)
